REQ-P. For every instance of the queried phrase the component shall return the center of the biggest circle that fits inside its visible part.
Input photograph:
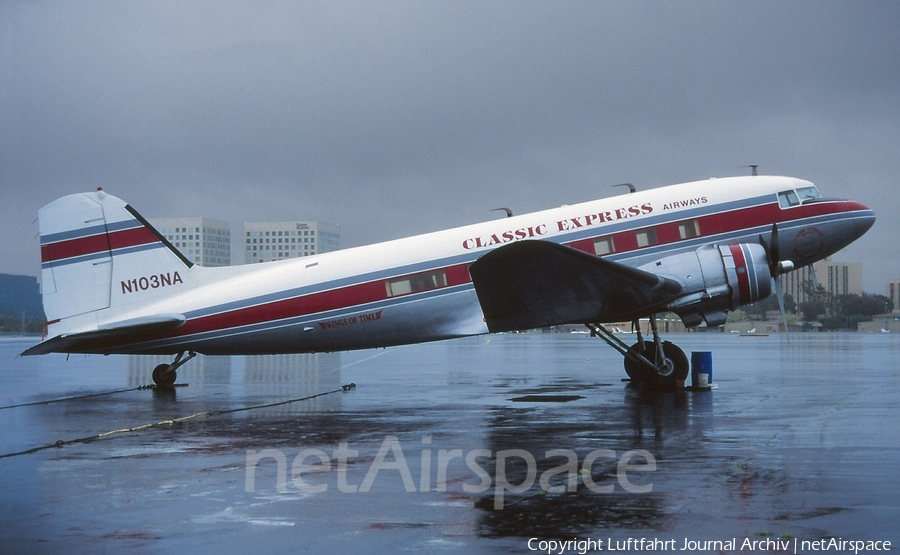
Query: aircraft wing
(533, 284)
(107, 335)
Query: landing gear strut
(165, 375)
(659, 364)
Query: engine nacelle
(715, 279)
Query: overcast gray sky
(395, 118)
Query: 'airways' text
(685, 203)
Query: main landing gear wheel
(642, 360)
(663, 374)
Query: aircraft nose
(864, 217)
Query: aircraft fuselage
(419, 289)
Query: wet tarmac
(466, 446)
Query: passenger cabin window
(416, 283)
(604, 245)
(689, 230)
(787, 199)
(646, 238)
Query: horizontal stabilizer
(135, 329)
(533, 284)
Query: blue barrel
(701, 363)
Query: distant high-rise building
(267, 241)
(799, 284)
(203, 241)
(842, 278)
(893, 293)
(837, 278)
(20, 296)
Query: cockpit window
(808, 193)
(786, 199)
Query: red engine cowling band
(748, 272)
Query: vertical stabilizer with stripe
(98, 254)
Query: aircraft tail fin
(98, 253)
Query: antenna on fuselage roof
(631, 187)
(509, 213)
(752, 167)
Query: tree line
(834, 312)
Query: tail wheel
(673, 368)
(164, 377)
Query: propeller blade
(777, 266)
(775, 250)
(780, 296)
(765, 246)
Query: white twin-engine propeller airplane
(113, 285)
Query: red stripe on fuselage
(314, 303)
(373, 291)
(716, 224)
(93, 244)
